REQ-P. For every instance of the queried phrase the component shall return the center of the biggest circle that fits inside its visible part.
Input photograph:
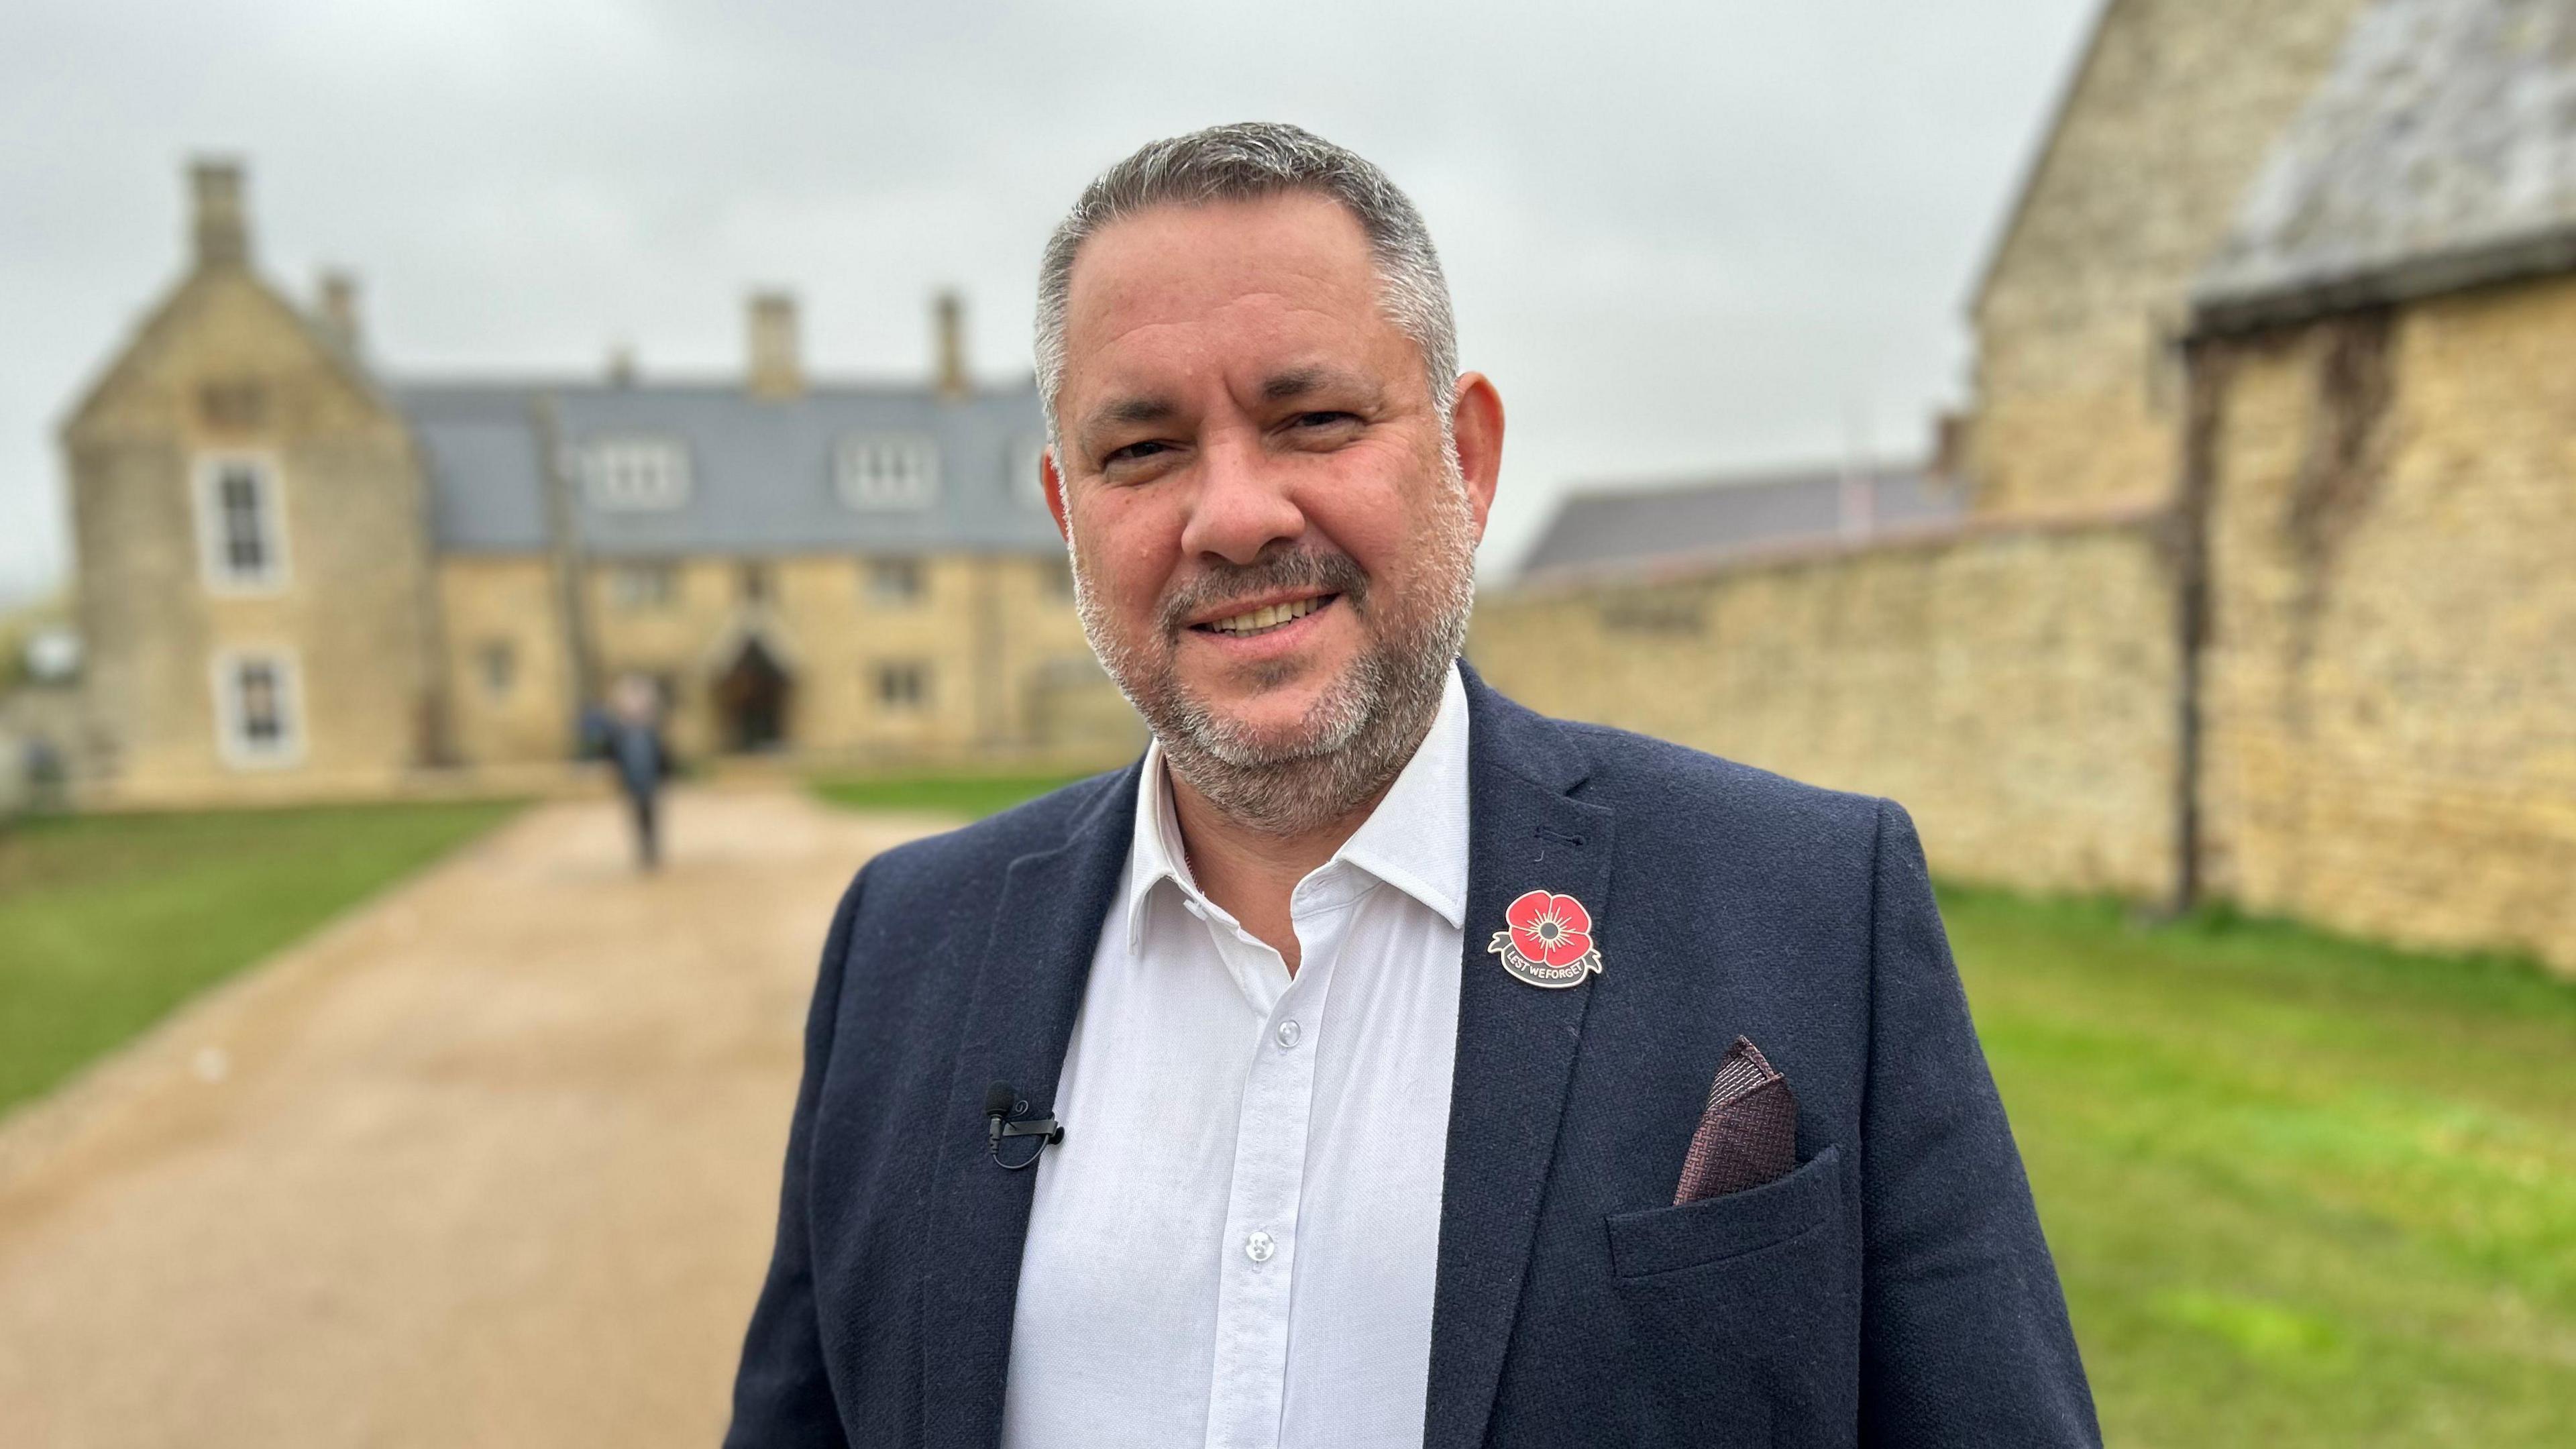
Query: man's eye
(1132, 452)
(1325, 420)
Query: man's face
(1252, 472)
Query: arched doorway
(751, 699)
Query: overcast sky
(1683, 238)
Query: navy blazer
(1894, 1289)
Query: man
(630, 735)
(1392, 1029)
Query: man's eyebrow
(1297, 382)
(1144, 408)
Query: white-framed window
(1028, 485)
(259, 708)
(643, 585)
(887, 470)
(241, 523)
(636, 472)
(894, 583)
(902, 686)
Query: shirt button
(1258, 1247)
(1288, 1033)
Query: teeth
(1268, 617)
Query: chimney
(338, 307)
(621, 366)
(1950, 446)
(949, 321)
(775, 370)
(222, 230)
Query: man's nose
(1242, 505)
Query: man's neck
(1252, 873)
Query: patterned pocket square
(1748, 1133)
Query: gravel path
(490, 1162)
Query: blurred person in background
(630, 735)
(1428, 1071)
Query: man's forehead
(1281, 292)
(1173, 263)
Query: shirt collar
(1415, 840)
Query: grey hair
(1247, 161)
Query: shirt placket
(1248, 1378)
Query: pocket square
(1748, 1133)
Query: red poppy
(1554, 931)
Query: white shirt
(1237, 1241)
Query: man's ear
(1053, 482)
(1476, 421)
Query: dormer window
(887, 470)
(1028, 480)
(241, 530)
(636, 473)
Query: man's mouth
(1266, 618)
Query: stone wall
(2013, 685)
(2391, 675)
(2387, 686)
(2078, 381)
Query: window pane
(902, 686)
(895, 580)
(637, 472)
(244, 537)
(262, 721)
(887, 470)
(643, 586)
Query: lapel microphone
(1006, 1115)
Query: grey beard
(1356, 738)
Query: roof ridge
(1786, 476)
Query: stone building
(298, 575)
(2264, 590)
(2378, 495)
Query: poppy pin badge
(1549, 940)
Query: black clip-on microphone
(1002, 1118)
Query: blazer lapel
(1516, 1050)
(1027, 992)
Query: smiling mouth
(1265, 619)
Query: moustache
(1332, 573)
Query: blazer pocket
(1668, 1239)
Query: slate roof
(1621, 528)
(762, 471)
(2440, 152)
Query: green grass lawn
(969, 797)
(2302, 1191)
(108, 921)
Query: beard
(1356, 737)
